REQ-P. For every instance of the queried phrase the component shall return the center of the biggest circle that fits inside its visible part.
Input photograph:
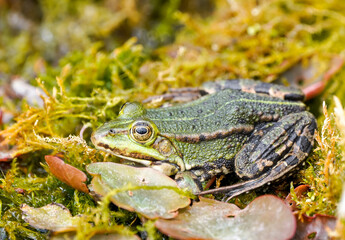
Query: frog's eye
(141, 131)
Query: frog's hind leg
(272, 151)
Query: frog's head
(134, 137)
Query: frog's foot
(252, 86)
(188, 180)
(272, 151)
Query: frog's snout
(97, 136)
(94, 138)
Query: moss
(325, 173)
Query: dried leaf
(67, 173)
(316, 227)
(299, 191)
(267, 217)
(162, 203)
(311, 76)
(54, 217)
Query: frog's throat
(177, 160)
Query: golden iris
(141, 131)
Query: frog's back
(224, 112)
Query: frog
(258, 131)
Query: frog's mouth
(135, 157)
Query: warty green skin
(214, 134)
(219, 112)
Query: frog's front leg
(271, 151)
(184, 179)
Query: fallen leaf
(54, 217)
(316, 227)
(160, 203)
(267, 217)
(58, 219)
(313, 77)
(67, 173)
(299, 191)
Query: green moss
(325, 173)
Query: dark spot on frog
(219, 163)
(219, 135)
(234, 84)
(200, 111)
(242, 121)
(202, 137)
(262, 87)
(293, 96)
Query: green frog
(259, 131)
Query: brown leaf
(67, 173)
(315, 227)
(267, 217)
(300, 190)
(311, 77)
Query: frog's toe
(187, 180)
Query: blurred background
(35, 33)
(181, 42)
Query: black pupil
(141, 130)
